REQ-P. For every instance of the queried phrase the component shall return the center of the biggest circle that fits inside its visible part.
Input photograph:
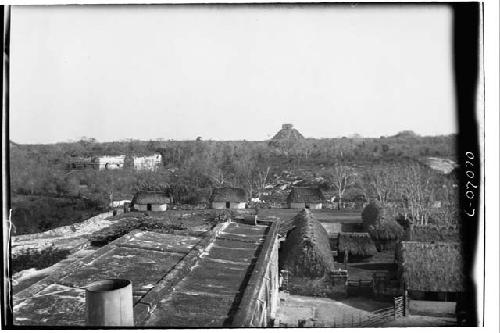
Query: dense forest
(40, 177)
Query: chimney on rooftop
(109, 303)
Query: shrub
(31, 258)
(372, 214)
(115, 231)
(386, 231)
(38, 214)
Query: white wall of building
(232, 205)
(218, 205)
(159, 208)
(315, 205)
(151, 162)
(141, 208)
(119, 203)
(154, 207)
(301, 205)
(297, 205)
(237, 205)
(110, 162)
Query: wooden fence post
(406, 309)
(395, 309)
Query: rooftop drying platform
(178, 280)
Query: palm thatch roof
(306, 195)
(356, 243)
(431, 266)
(386, 230)
(306, 249)
(150, 197)
(228, 194)
(429, 233)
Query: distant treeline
(191, 168)
(175, 153)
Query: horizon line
(221, 140)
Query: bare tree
(448, 212)
(380, 181)
(216, 175)
(340, 177)
(262, 179)
(416, 189)
(245, 169)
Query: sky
(229, 72)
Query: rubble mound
(287, 133)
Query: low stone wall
(260, 300)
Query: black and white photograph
(246, 165)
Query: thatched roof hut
(305, 195)
(228, 194)
(285, 226)
(386, 234)
(306, 250)
(356, 244)
(431, 266)
(151, 197)
(386, 230)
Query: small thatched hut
(305, 197)
(431, 270)
(386, 234)
(151, 201)
(355, 246)
(228, 198)
(306, 250)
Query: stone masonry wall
(260, 301)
